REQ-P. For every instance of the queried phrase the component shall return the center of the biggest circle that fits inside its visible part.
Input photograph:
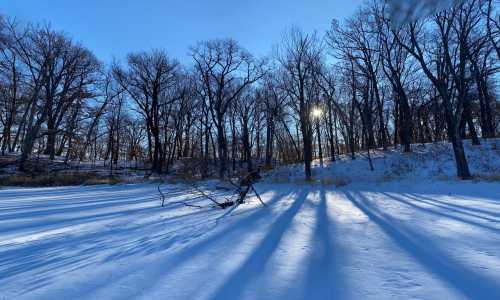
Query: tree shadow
(256, 262)
(446, 214)
(71, 194)
(428, 254)
(483, 192)
(77, 211)
(237, 231)
(455, 207)
(323, 276)
(104, 197)
(59, 251)
(38, 262)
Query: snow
(410, 237)
(424, 162)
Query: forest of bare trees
(366, 83)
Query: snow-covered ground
(398, 238)
(428, 161)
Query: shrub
(57, 179)
(337, 181)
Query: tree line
(366, 83)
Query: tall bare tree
(225, 70)
(147, 79)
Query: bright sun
(316, 112)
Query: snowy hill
(427, 161)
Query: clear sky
(116, 27)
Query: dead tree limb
(222, 205)
(162, 196)
(258, 196)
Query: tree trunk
(320, 150)
(269, 142)
(221, 144)
(51, 139)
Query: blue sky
(116, 27)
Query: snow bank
(427, 161)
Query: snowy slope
(409, 238)
(428, 161)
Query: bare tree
(441, 80)
(225, 70)
(298, 57)
(147, 80)
(57, 71)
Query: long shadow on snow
(117, 202)
(85, 198)
(256, 262)
(445, 214)
(455, 207)
(323, 277)
(162, 268)
(425, 251)
(45, 193)
(483, 193)
(12, 193)
(56, 253)
(35, 202)
(95, 215)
